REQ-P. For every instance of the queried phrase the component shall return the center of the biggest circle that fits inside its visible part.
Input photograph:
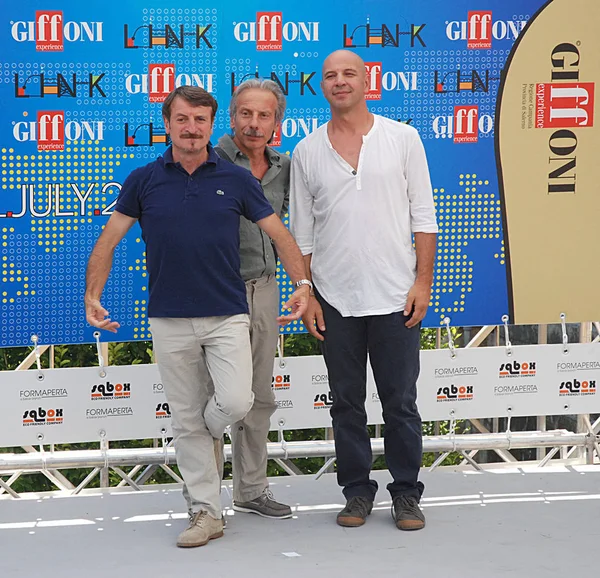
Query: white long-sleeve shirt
(358, 225)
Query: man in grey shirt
(256, 109)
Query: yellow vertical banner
(547, 148)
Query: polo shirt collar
(213, 157)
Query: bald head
(343, 59)
(344, 82)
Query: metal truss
(14, 465)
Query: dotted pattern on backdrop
(43, 264)
(473, 213)
(78, 165)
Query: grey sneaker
(356, 511)
(203, 527)
(407, 514)
(264, 506)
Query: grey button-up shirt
(257, 255)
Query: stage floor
(524, 522)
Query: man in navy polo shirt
(189, 203)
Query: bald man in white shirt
(360, 191)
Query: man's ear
(167, 125)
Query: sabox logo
(323, 400)
(576, 387)
(455, 393)
(280, 382)
(517, 369)
(110, 390)
(564, 105)
(41, 416)
(162, 411)
(50, 32)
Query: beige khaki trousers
(185, 348)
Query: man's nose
(191, 126)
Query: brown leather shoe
(355, 513)
(407, 514)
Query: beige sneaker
(203, 527)
(220, 456)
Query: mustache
(252, 132)
(190, 135)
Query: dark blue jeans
(394, 353)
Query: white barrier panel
(478, 382)
(77, 405)
(532, 380)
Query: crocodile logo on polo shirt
(220, 192)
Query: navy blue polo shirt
(191, 227)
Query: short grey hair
(263, 84)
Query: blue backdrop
(81, 89)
